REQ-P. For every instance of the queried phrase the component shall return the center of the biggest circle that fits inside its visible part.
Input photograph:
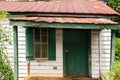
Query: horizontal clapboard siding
(46, 68)
(105, 45)
(105, 51)
(21, 53)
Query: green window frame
(46, 38)
(40, 40)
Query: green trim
(29, 44)
(15, 34)
(89, 53)
(64, 55)
(112, 53)
(66, 25)
(51, 44)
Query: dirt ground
(42, 78)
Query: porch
(58, 78)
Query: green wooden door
(75, 43)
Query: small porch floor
(57, 78)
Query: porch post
(15, 34)
(112, 53)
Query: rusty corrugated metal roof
(80, 7)
(66, 20)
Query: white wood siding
(105, 46)
(43, 68)
(105, 51)
(46, 68)
(21, 53)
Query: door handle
(66, 51)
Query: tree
(5, 68)
(115, 4)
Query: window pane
(44, 39)
(37, 51)
(37, 31)
(44, 54)
(44, 51)
(41, 43)
(44, 47)
(37, 39)
(44, 31)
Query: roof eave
(81, 15)
(64, 25)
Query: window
(40, 44)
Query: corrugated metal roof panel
(66, 20)
(81, 7)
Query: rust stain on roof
(65, 20)
(80, 7)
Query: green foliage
(5, 67)
(114, 74)
(118, 33)
(116, 70)
(107, 76)
(117, 49)
(115, 4)
(2, 14)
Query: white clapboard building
(61, 38)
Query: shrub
(116, 70)
(114, 74)
(5, 67)
(117, 49)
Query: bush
(114, 74)
(117, 49)
(116, 70)
(5, 67)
